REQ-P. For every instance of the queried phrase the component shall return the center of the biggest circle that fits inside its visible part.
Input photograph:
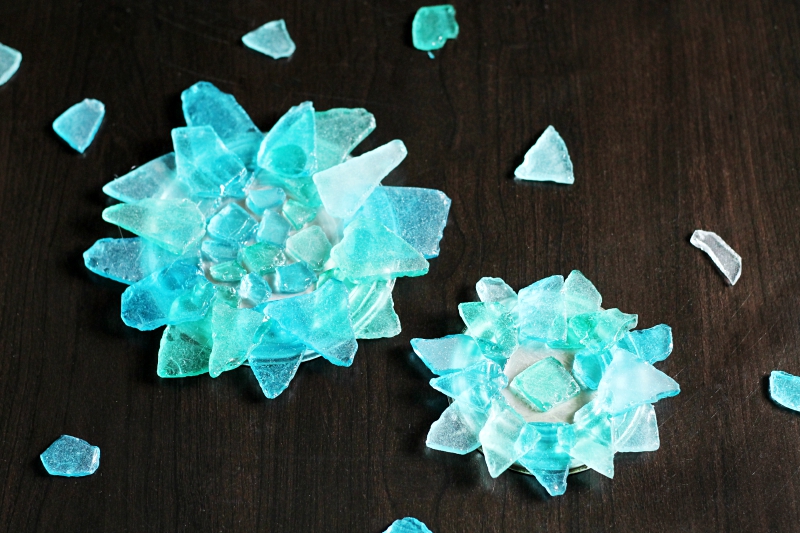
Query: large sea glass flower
(266, 249)
(547, 380)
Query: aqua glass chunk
(492, 327)
(309, 245)
(273, 229)
(204, 164)
(784, 389)
(652, 345)
(71, 457)
(320, 319)
(545, 384)
(542, 313)
(261, 258)
(259, 200)
(372, 309)
(289, 148)
(271, 39)
(178, 293)
(630, 381)
(345, 187)
(232, 334)
(227, 271)
(226, 294)
(547, 446)
(254, 290)
(727, 260)
(601, 330)
(274, 357)
(433, 26)
(233, 224)
(175, 225)
(477, 385)
(298, 213)
(208, 206)
(127, 260)
(448, 354)
(185, 349)
(496, 290)
(299, 190)
(457, 429)
(338, 132)
(407, 525)
(10, 60)
(79, 124)
(155, 179)
(636, 430)
(499, 438)
(547, 160)
(293, 278)
(580, 295)
(594, 441)
(369, 250)
(219, 251)
(588, 368)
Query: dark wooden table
(678, 115)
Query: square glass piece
(545, 384)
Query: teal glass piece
(175, 225)
(71, 457)
(492, 327)
(547, 446)
(652, 345)
(10, 61)
(321, 320)
(127, 260)
(372, 309)
(185, 349)
(227, 271)
(601, 330)
(545, 384)
(588, 368)
(219, 251)
(226, 294)
(476, 385)
(298, 213)
(79, 124)
(261, 258)
(496, 290)
(232, 335)
(580, 295)
(369, 250)
(309, 245)
(594, 444)
(273, 229)
(300, 190)
(345, 187)
(290, 279)
(254, 290)
(499, 438)
(542, 313)
(547, 160)
(274, 357)
(205, 165)
(289, 149)
(338, 132)
(156, 179)
(448, 354)
(178, 293)
(636, 430)
(457, 429)
(433, 26)
(784, 389)
(232, 224)
(271, 39)
(259, 200)
(407, 525)
(629, 382)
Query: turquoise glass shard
(599, 331)
(274, 357)
(345, 187)
(227, 271)
(433, 26)
(261, 258)
(784, 389)
(71, 457)
(79, 124)
(176, 225)
(127, 260)
(309, 245)
(338, 132)
(232, 335)
(542, 313)
(496, 290)
(233, 224)
(185, 349)
(594, 440)
(636, 430)
(156, 179)
(545, 384)
(448, 354)
(499, 438)
(588, 368)
(652, 345)
(271, 39)
(408, 525)
(204, 164)
(546, 447)
(372, 309)
(457, 430)
(289, 149)
(254, 290)
(492, 327)
(219, 251)
(259, 200)
(629, 382)
(10, 60)
(477, 385)
(273, 229)
(727, 260)
(547, 160)
(290, 279)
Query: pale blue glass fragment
(289, 148)
(452, 353)
(127, 260)
(546, 447)
(254, 290)
(271, 39)
(580, 295)
(79, 124)
(232, 335)
(636, 430)
(542, 313)
(547, 160)
(594, 439)
(630, 381)
(71, 457)
(259, 200)
(588, 368)
(156, 179)
(784, 389)
(457, 429)
(408, 525)
(232, 224)
(496, 290)
(499, 438)
(274, 357)
(338, 132)
(219, 251)
(652, 345)
(477, 385)
(293, 278)
(273, 229)
(10, 60)
(205, 165)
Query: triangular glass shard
(594, 440)
(185, 349)
(338, 132)
(176, 225)
(205, 165)
(636, 430)
(10, 60)
(580, 295)
(542, 312)
(477, 385)
(372, 309)
(79, 124)
(274, 357)
(547, 160)
(547, 457)
(345, 187)
(457, 429)
(629, 382)
(254, 290)
(289, 149)
(499, 438)
(496, 290)
(784, 389)
(233, 331)
(727, 260)
(407, 525)
(492, 326)
(370, 251)
(127, 260)
(71, 457)
(271, 39)
(448, 354)
(156, 179)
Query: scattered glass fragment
(408, 525)
(271, 39)
(79, 124)
(547, 160)
(548, 380)
(71, 457)
(784, 389)
(10, 60)
(727, 260)
(433, 26)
